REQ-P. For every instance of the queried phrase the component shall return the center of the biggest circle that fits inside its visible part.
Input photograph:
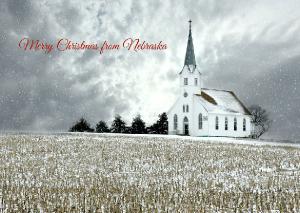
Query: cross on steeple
(190, 55)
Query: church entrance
(186, 129)
(186, 126)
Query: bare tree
(260, 119)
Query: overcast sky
(249, 47)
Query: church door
(186, 129)
(186, 126)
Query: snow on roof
(190, 69)
(222, 101)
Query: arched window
(244, 124)
(175, 122)
(185, 120)
(187, 108)
(217, 122)
(226, 123)
(196, 81)
(183, 108)
(200, 121)
(235, 124)
(185, 81)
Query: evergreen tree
(118, 125)
(81, 126)
(127, 130)
(138, 125)
(102, 127)
(161, 125)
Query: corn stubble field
(117, 173)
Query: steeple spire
(190, 55)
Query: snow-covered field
(125, 173)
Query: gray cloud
(252, 52)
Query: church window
(200, 121)
(175, 122)
(235, 124)
(196, 81)
(244, 124)
(217, 122)
(185, 81)
(183, 107)
(185, 94)
(187, 108)
(226, 123)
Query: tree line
(259, 118)
(118, 125)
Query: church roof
(190, 61)
(222, 101)
(190, 55)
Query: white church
(200, 111)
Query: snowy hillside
(133, 173)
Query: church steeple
(190, 55)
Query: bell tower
(190, 76)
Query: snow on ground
(245, 141)
(84, 172)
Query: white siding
(197, 109)
(230, 132)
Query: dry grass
(92, 173)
